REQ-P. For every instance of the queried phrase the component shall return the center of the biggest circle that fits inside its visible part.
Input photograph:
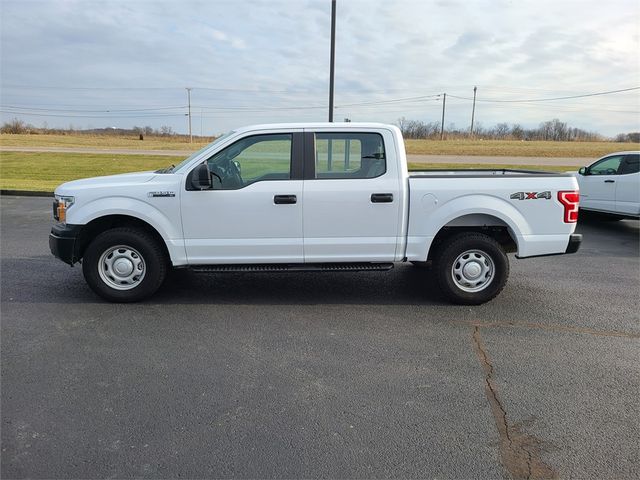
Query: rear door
(351, 197)
(628, 189)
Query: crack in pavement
(519, 452)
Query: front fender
(166, 221)
(123, 206)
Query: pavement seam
(556, 328)
(519, 452)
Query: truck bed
(524, 202)
(484, 172)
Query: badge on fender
(161, 194)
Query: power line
(45, 87)
(550, 99)
(410, 102)
(94, 116)
(94, 111)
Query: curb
(26, 193)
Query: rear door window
(631, 164)
(349, 155)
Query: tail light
(569, 200)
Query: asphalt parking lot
(358, 375)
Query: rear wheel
(471, 268)
(124, 265)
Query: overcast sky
(125, 63)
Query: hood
(121, 180)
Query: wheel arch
(106, 222)
(486, 223)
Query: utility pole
(189, 100)
(473, 110)
(333, 57)
(444, 101)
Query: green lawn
(45, 171)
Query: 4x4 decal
(531, 195)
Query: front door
(253, 214)
(352, 203)
(598, 187)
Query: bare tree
(166, 130)
(501, 130)
(14, 126)
(517, 132)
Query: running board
(293, 267)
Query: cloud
(271, 55)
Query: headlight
(60, 206)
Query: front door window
(250, 160)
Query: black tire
(482, 254)
(136, 244)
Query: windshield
(195, 154)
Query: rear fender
(473, 206)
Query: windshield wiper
(168, 169)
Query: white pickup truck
(311, 197)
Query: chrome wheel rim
(473, 271)
(121, 267)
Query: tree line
(19, 127)
(551, 130)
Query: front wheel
(124, 265)
(471, 268)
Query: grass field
(514, 148)
(103, 141)
(425, 147)
(44, 171)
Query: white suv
(612, 185)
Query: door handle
(381, 197)
(285, 199)
(609, 181)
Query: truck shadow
(401, 286)
(43, 279)
(613, 238)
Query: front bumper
(63, 242)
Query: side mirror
(582, 171)
(201, 179)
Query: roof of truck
(310, 125)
